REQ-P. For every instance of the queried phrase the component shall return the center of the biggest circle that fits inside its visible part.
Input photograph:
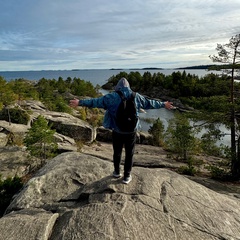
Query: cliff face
(75, 197)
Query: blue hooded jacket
(111, 101)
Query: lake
(95, 76)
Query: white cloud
(52, 34)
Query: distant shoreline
(199, 67)
(155, 68)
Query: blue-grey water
(95, 76)
(100, 77)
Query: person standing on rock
(127, 139)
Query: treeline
(49, 91)
(210, 92)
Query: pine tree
(230, 54)
(157, 130)
(180, 136)
(40, 139)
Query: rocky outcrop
(69, 129)
(70, 126)
(105, 135)
(71, 133)
(75, 197)
(16, 161)
(11, 130)
(64, 123)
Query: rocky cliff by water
(75, 197)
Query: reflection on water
(165, 115)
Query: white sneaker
(127, 180)
(116, 175)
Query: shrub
(157, 132)
(39, 139)
(218, 173)
(8, 188)
(15, 115)
(189, 169)
(180, 136)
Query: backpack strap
(133, 94)
(122, 96)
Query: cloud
(106, 33)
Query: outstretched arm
(91, 102)
(147, 103)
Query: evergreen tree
(230, 54)
(7, 96)
(180, 136)
(157, 130)
(40, 139)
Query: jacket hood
(122, 83)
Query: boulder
(64, 143)
(17, 130)
(145, 155)
(105, 135)
(37, 224)
(33, 105)
(3, 139)
(71, 126)
(16, 161)
(64, 123)
(75, 197)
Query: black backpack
(126, 115)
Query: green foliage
(230, 54)
(187, 170)
(218, 173)
(7, 95)
(94, 117)
(15, 115)
(82, 88)
(209, 140)
(83, 113)
(157, 130)
(62, 106)
(40, 139)
(205, 93)
(58, 104)
(24, 89)
(180, 136)
(190, 168)
(8, 188)
(51, 92)
(46, 88)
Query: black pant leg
(117, 141)
(130, 141)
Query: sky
(104, 34)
